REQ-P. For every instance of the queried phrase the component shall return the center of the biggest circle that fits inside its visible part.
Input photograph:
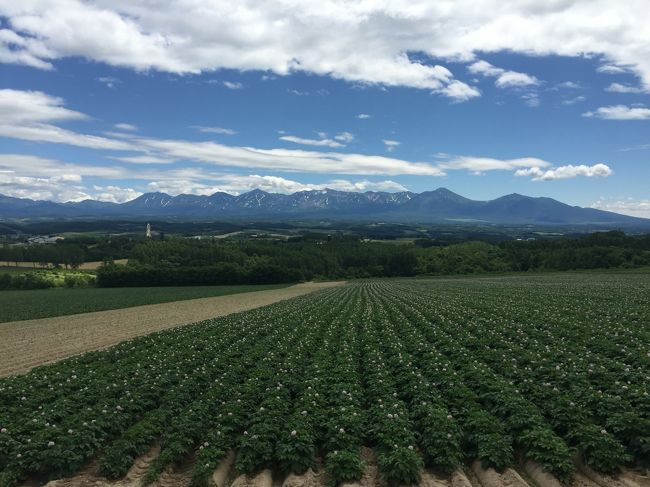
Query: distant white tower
(148, 234)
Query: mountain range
(440, 205)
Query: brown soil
(430, 480)
(221, 475)
(541, 478)
(600, 479)
(459, 479)
(30, 343)
(371, 477)
(262, 479)
(491, 478)
(89, 477)
(580, 480)
(308, 479)
(634, 479)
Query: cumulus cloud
(281, 37)
(114, 194)
(566, 172)
(626, 206)
(390, 144)
(18, 178)
(41, 188)
(624, 88)
(215, 130)
(459, 91)
(504, 78)
(363, 116)
(620, 112)
(233, 85)
(241, 183)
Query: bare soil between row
(527, 475)
(29, 343)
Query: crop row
(428, 373)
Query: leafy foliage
(425, 372)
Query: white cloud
(17, 49)
(237, 184)
(233, 85)
(28, 115)
(625, 206)
(364, 185)
(511, 79)
(345, 137)
(574, 100)
(144, 159)
(40, 167)
(391, 144)
(566, 172)
(612, 69)
(286, 159)
(571, 85)
(22, 115)
(620, 112)
(460, 91)
(215, 130)
(323, 142)
(280, 37)
(126, 126)
(531, 99)
(481, 164)
(504, 78)
(114, 194)
(623, 88)
(23, 107)
(41, 188)
(636, 147)
(363, 116)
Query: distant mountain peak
(439, 205)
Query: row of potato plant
(426, 372)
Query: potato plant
(426, 373)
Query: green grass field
(20, 270)
(26, 305)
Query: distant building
(148, 232)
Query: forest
(183, 261)
(200, 262)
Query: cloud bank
(282, 36)
(202, 166)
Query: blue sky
(111, 100)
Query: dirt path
(29, 343)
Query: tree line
(72, 252)
(179, 261)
